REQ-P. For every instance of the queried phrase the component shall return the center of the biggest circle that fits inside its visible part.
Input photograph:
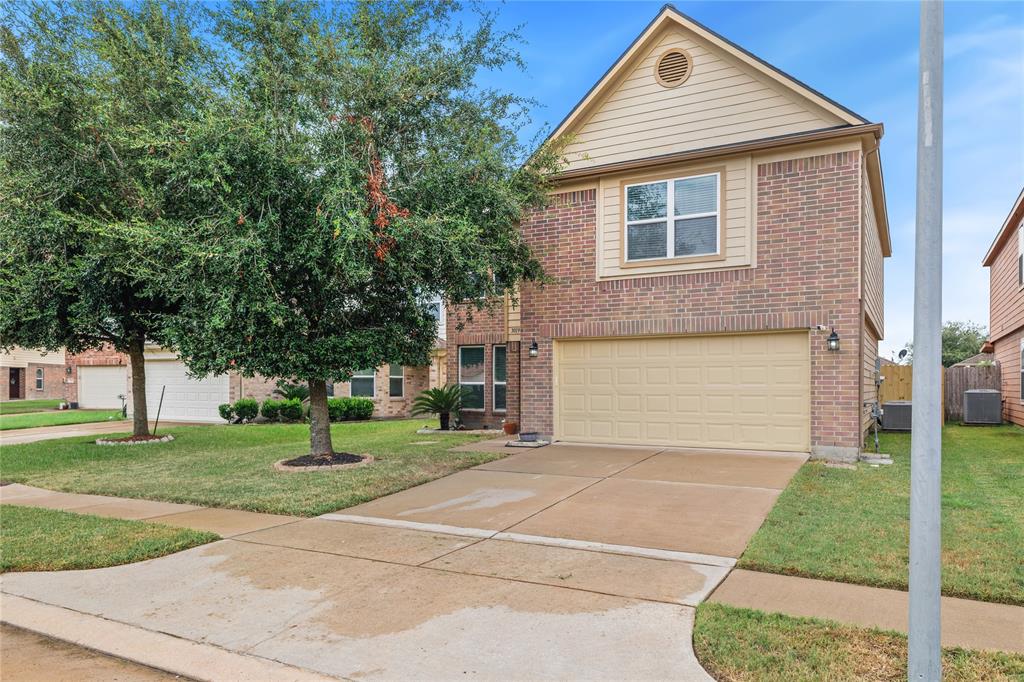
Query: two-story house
(716, 245)
(1005, 263)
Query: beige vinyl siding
(869, 390)
(738, 232)
(722, 102)
(514, 329)
(872, 265)
(22, 357)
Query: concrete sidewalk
(224, 522)
(965, 623)
(33, 435)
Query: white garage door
(746, 391)
(100, 386)
(186, 398)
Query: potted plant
(444, 401)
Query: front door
(17, 386)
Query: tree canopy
(95, 98)
(960, 340)
(354, 170)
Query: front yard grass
(852, 525)
(19, 406)
(56, 418)
(232, 466)
(33, 539)
(741, 644)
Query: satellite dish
(903, 353)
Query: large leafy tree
(356, 170)
(95, 100)
(960, 340)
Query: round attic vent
(673, 68)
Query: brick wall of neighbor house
(53, 381)
(808, 213)
(1006, 315)
(417, 379)
(104, 356)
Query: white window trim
(372, 376)
(1020, 256)
(392, 376)
(495, 383)
(39, 379)
(474, 383)
(670, 220)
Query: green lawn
(852, 525)
(56, 418)
(232, 466)
(33, 539)
(744, 645)
(19, 406)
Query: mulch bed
(135, 440)
(335, 460)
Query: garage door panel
(100, 385)
(739, 391)
(186, 398)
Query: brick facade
(52, 376)
(807, 274)
(95, 357)
(417, 379)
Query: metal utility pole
(925, 652)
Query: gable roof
(1012, 221)
(670, 15)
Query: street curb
(165, 652)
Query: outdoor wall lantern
(832, 342)
(534, 350)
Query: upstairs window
(677, 218)
(1020, 255)
(362, 384)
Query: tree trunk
(319, 419)
(140, 417)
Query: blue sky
(863, 55)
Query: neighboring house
(717, 219)
(975, 360)
(185, 398)
(1005, 261)
(96, 378)
(31, 374)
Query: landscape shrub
(227, 411)
(336, 408)
(359, 408)
(271, 409)
(247, 408)
(291, 410)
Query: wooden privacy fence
(899, 380)
(960, 379)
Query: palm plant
(290, 390)
(443, 401)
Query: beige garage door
(99, 386)
(747, 391)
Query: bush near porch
(852, 525)
(222, 466)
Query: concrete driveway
(17, 436)
(566, 562)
